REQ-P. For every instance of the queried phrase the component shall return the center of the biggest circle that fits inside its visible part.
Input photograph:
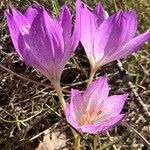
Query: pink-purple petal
(69, 116)
(74, 93)
(29, 58)
(102, 127)
(132, 46)
(17, 24)
(96, 114)
(91, 129)
(31, 13)
(101, 38)
(112, 106)
(96, 93)
(88, 30)
(77, 106)
(46, 43)
(77, 27)
(100, 14)
(117, 34)
(110, 123)
(13, 29)
(115, 38)
(66, 23)
(20, 20)
(130, 20)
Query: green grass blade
(55, 7)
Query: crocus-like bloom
(105, 38)
(94, 111)
(41, 40)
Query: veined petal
(110, 123)
(69, 116)
(29, 57)
(100, 40)
(74, 93)
(88, 29)
(76, 105)
(77, 27)
(13, 29)
(131, 47)
(112, 107)
(123, 28)
(31, 13)
(92, 114)
(100, 14)
(91, 128)
(96, 93)
(17, 24)
(116, 36)
(111, 36)
(66, 23)
(20, 20)
(102, 126)
(45, 40)
(130, 20)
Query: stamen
(89, 117)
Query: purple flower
(106, 39)
(94, 111)
(42, 41)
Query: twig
(23, 78)
(110, 144)
(56, 113)
(125, 135)
(138, 98)
(24, 120)
(74, 84)
(140, 101)
(34, 2)
(135, 131)
(30, 80)
(23, 132)
(16, 116)
(38, 135)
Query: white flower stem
(60, 94)
(135, 131)
(92, 73)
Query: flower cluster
(47, 43)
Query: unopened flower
(106, 39)
(41, 40)
(94, 111)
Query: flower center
(90, 116)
